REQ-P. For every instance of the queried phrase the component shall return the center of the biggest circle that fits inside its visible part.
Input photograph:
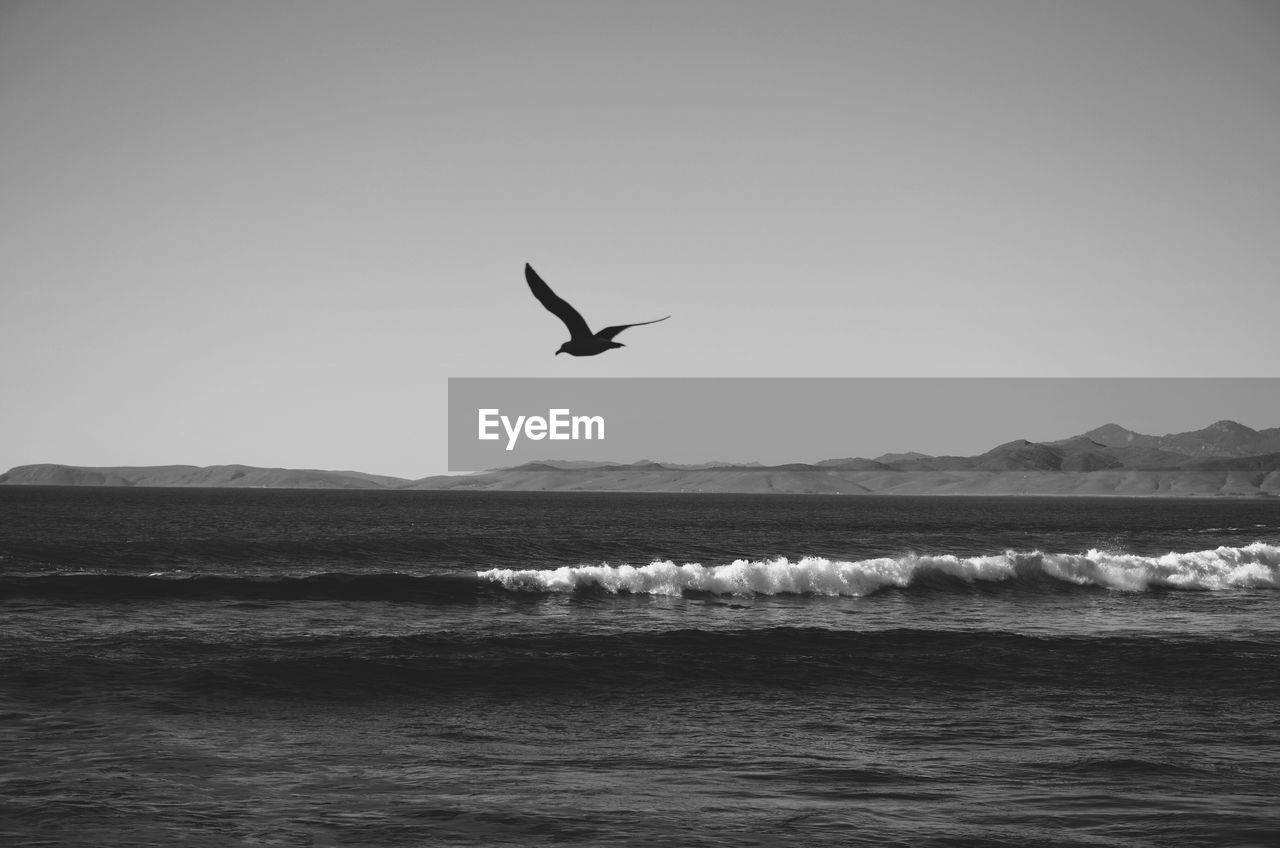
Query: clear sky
(268, 233)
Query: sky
(268, 233)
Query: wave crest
(1255, 566)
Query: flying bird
(582, 341)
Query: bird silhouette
(582, 341)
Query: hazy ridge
(215, 476)
(1225, 458)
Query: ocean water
(265, 667)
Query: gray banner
(499, 422)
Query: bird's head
(563, 349)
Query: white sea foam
(1253, 566)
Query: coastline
(508, 485)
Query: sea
(219, 667)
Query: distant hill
(1221, 438)
(890, 458)
(219, 476)
(1225, 458)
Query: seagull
(582, 342)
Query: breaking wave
(1255, 566)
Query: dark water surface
(266, 667)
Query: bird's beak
(558, 352)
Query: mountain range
(1225, 458)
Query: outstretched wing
(578, 328)
(610, 332)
